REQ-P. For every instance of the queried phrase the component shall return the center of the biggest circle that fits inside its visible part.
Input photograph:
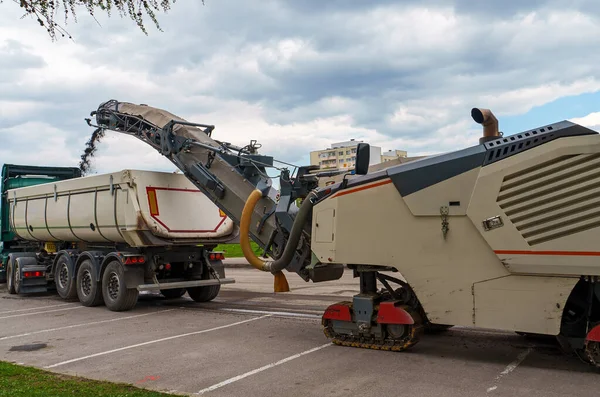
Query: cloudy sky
(298, 75)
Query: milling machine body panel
(452, 276)
(547, 201)
(375, 226)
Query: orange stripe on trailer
(554, 253)
(358, 189)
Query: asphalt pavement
(252, 342)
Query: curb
(233, 263)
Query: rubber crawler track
(387, 344)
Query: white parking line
(288, 314)
(44, 312)
(83, 324)
(35, 308)
(511, 367)
(264, 368)
(154, 341)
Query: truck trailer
(502, 234)
(102, 239)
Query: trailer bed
(140, 208)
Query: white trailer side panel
(141, 208)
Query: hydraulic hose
(273, 266)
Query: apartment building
(393, 155)
(343, 155)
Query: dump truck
(102, 239)
(502, 234)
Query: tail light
(216, 256)
(133, 260)
(30, 274)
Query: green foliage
(46, 11)
(18, 381)
(235, 251)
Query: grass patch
(235, 251)
(19, 381)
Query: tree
(46, 11)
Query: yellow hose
(280, 283)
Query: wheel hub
(63, 276)
(86, 283)
(113, 286)
(397, 331)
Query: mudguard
(389, 313)
(337, 312)
(594, 334)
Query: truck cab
(16, 176)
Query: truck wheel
(173, 293)
(17, 276)
(88, 288)
(10, 277)
(117, 297)
(206, 293)
(66, 286)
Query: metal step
(184, 284)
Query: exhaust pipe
(486, 118)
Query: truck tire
(88, 287)
(10, 277)
(64, 280)
(173, 293)
(206, 293)
(17, 276)
(117, 297)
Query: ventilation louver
(554, 199)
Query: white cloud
(401, 76)
(592, 121)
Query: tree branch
(46, 11)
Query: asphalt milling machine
(503, 234)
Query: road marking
(153, 341)
(35, 308)
(44, 312)
(511, 367)
(290, 314)
(264, 368)
(82, 325)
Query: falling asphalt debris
(90, 149)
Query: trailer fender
(36, 280)
(95, 257)
(134, 274)
(10, 266)
(70, 255)
(218, 267)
